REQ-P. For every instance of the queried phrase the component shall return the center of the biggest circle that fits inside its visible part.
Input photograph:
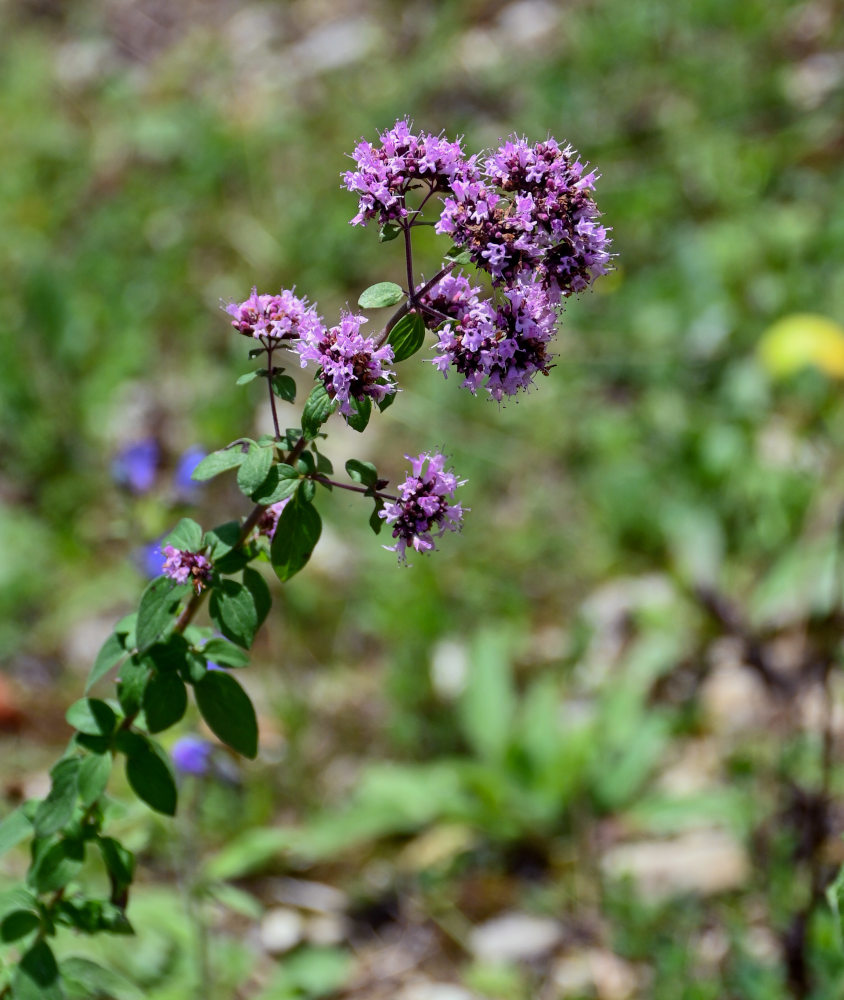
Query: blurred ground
(577, 753)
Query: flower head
(502, 347)
(183, 566)
(352, 366)
(191, 755)
(385, 173)
(277, 317)
(532, 213)
(424, 509)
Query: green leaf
(217, 462)
(387, 401)
(381, 295)
(119, 862)
(376, 522)
(278, 485)
(56, 864)
(37, 975)
(225, 553)
(194, 668)
(125, 630)
(57, 809)
(187, 536)
(168, 656)
(18, 924)
(131, 682)
(110, 654)
(487, 705)
(232, 609)
(388, 232)
(298, 530)
(407, 336)
(318, 408)
(85, 980)
(307, 490)
(250, 376)
(225, 653)
(361, 412)
(165, 700)
(285, 388)
(92, 716)
(94, 772)
(159, 605)
(226, 707)
(151, 777)
(459, 255)
(14, 828)
(364, 473)
(257, 587)
(254, 468)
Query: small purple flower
(404, 160)
(268, 521)
(192, 755)
(503, 347)
(425, 508)
(352, 366)
(274, 317)
(135, 466)
(184, 566)
(188, 461)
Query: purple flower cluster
(404, 160)
(192, 755)
(504, 345)
(425, 507)
(352, 366)
(183, 566)
(275, 317)
(135, 467)
(268, 521)
(530, 217)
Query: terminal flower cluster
(352, 366)
(425, 508)
(385, 173)
(276, 317)
(184, 567)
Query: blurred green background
(502, 727)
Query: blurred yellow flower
(801, 340)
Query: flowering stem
(352, 489)
(408, 253)
(406, 306)
(272, 394)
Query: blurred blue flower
(134, 467)
(150, 559)
(191, 755)
(188, 461)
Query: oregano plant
(523, 219)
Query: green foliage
(407, 336)
(219, 461)
(226, 708)
(159, 605)
(381, 295)
(318, 408)
(149, 773)
(296, 534)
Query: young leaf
(250, 376)
(277, 485)
(407, 336)
(217, 462)
(37, 975)
(151, 777)
(165, 700)
(187, 536)
(296, 534)
(18, 924)
(381, 295)
(94, 772)
(361, 412)
(57, 809)
(364, 473)
(318, 408)
(458, 255)
(92, 716)
(232, 609)
(159, 603)
(225, 653)
(388, 232)
(285, 388)
(253, 471)
(225, 555)
(110, 654)
(226, 707)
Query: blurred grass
(158, 159)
